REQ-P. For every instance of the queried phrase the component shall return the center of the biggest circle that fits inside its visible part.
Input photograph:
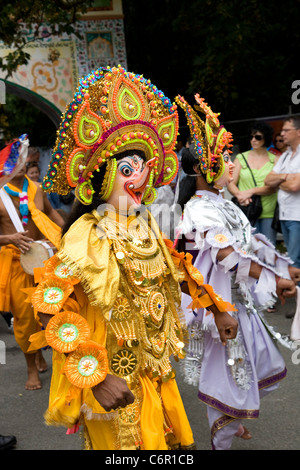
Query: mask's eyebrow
(132, 161)
(123, 161)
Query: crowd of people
(115, 298)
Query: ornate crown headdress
(112, 111)
(209, 137)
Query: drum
(40, 251)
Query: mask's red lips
(137, 192)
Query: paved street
(21, 411)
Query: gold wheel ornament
(121, 309)
(123, 362)
(130, 414)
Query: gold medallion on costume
(141, 329)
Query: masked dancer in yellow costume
(110, 298)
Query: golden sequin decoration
(137, 250)
(130, 414)
(121, 309)
(141, 337)
(128, 425)
(123, 362)
(158, 342)
(156, 306)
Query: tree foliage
(59, 15)
(241, 55)
(18, 116)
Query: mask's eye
(126, 170)
(226, 158)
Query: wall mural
(51, 71)
(56, 64)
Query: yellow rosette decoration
(66, 330)
(55, 267)
(87, 366)
(51, 294)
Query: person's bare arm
(243, 197)
(19, 239)
(259, 191)
(232, 186)
(226, 324)
(294, 273)
(8, 235)
(112, 393)
(291, 183)
(45, 318)
(275, 179)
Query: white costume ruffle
(231, 379)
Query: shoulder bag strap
(249, 168)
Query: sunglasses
(279, 140)
(256, 137)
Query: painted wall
(56, 64)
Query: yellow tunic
(129, 294)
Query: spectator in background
(63, 204)
(261, 162)
(285, 177)
(33, 171)
(279, 145)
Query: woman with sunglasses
(261, 162)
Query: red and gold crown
(209, 137)
(113, 110)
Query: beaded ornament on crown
(209, 137)
(112, 111)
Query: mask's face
(227, 175)
(130, 182)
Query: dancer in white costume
(231, 379)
